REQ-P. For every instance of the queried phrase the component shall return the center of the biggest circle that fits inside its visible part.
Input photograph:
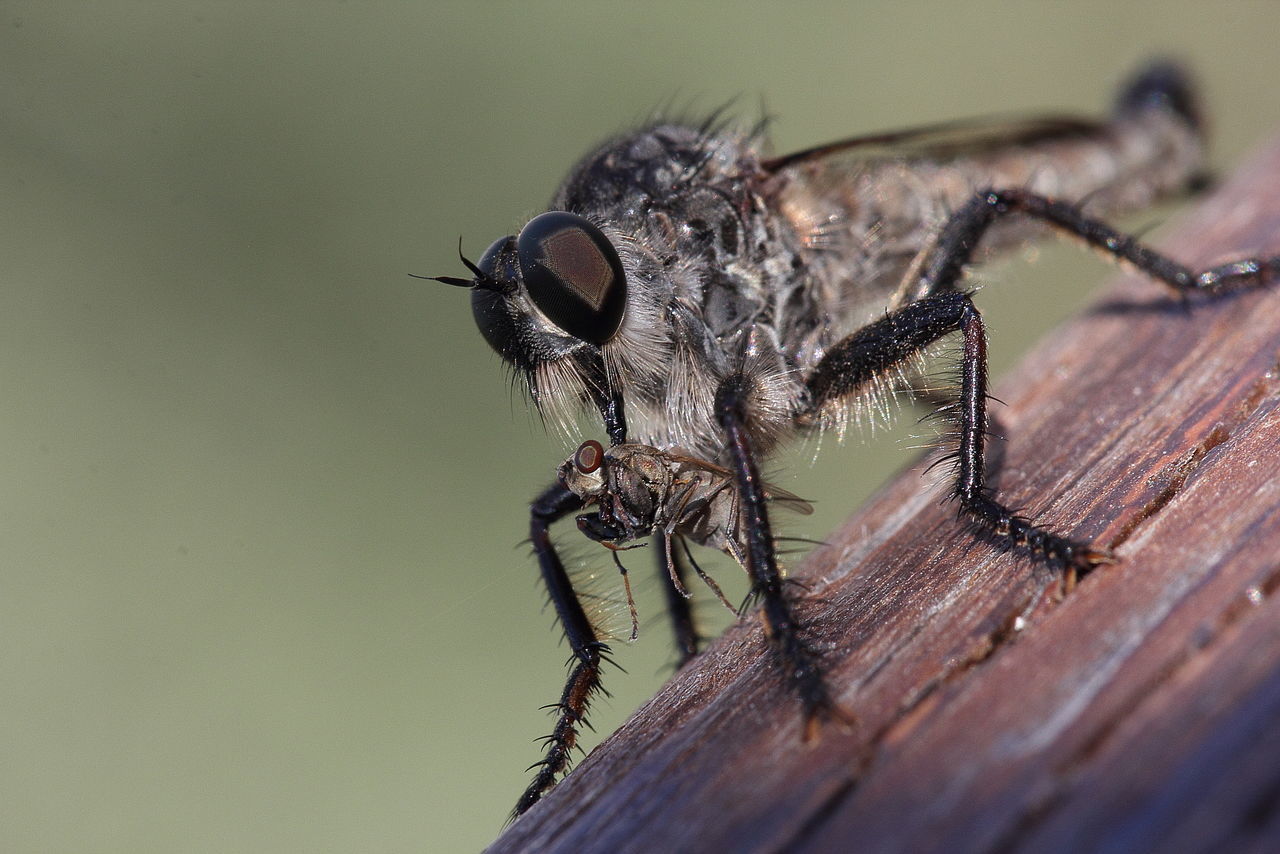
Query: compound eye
(573, 275)
(589, 456)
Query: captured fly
(641, 491)
(711, 301)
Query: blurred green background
(262, 492)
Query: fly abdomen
(868, 207)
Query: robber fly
(710, 301)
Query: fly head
(546, 300)
(630, 485)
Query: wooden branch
(997, 711)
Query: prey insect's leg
(631, 600)
(678, 607)
(800, 662)
(890, 342)
(707, 579)
(555, 503)
(959, 239)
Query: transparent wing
(869, 206)
(776, 494)
(943, 141)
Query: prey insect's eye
(589, 456)
(573, 275)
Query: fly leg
(895, 339)
(959, 238)
(799, 661)
(942, 308)
(588, 650)
(678, 606)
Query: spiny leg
(707, 579)
(683, 502)
(678, 606)
(882, 346)
(626, 586)
(588, 650)
(885, 344)
(798, 659)
(959, 239)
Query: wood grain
(997, 711)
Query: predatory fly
(710, 301)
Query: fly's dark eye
(573, 275)
(589, 456)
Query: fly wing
(776, 494)
(942, 141)
(787, 500)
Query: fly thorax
(638, 483)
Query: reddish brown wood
(995, 711)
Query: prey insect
(640, 490)
(711, 301)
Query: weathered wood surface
(996, 712)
